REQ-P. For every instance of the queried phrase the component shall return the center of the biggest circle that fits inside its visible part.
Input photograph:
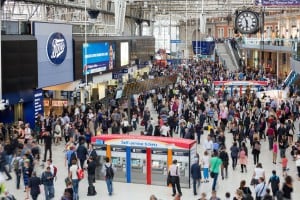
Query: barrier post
(148, 166)
(169, 160)
(128, 164)
(108, 151)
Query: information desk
(145, 159)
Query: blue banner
(98, 57)
(277, 2)
(203, 47)
(38, 103)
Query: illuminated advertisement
(124, 53)
(98, 57)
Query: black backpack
(109, 172)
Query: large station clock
(247, 22)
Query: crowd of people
(188, 109)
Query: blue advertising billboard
(55, 53)
(98, 57)
(203, 47)
(277, 2)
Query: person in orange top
(284, 163)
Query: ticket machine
(159, 166)
(118, 158)
(138, 165)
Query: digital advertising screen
(124, 53)
(98, 57)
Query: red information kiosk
(145, 159)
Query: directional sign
(175, 41)
(115, 76)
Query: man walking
(91, 169)
(215, 163)
(196, 175)
(108, 172)
(47, 181)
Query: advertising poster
(98, 57)
(55, 53)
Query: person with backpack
(275, 183)
(247, 194)
(70, 155)
(108, 170)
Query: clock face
(246, 22)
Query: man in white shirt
(260, 189)
(208, 144)
(165, 130)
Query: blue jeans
(205, 173)
(75, 183)
(215, 181)
(8, 159)
(49, 192)
(109, 186)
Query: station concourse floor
(130, 191)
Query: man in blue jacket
(196, 174)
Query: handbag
(169, 181)
(80, 173)
(212, 175)
(253, 181)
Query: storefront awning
(70, 86)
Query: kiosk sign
(56, 48)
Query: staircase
(225, 57)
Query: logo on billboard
(57, 48)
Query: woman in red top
(270, 134)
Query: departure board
(277, 2)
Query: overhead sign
(115, 76)
(203, 47)
(57, 48)
(277, 2)
(175, 41)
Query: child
(275, 151)
(284, 162)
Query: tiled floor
(126, 191)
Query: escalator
(236, 53)
(291, 78)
